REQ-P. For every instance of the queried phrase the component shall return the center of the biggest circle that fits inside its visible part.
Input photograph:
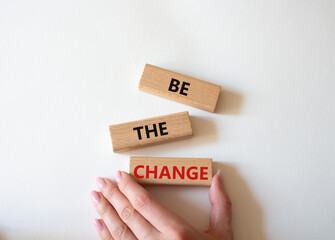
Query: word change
(175, 171)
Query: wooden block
(174, 171)
(180, 88)
(150, 131)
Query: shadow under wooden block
(230, 102)
(204, 133)
(247, 213)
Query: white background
(69, 69)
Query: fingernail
(118, 176)
(219, 173)
(96, 197)
(98, 225)
(101, 183)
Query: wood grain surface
(173, 171)
(150, 131)
(180, 88)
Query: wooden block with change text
(150, 131)
(174, 171)
(180, 88)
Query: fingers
(158, 215)
(116, 227)
(140, 227)
(221, 212)
(102, 229)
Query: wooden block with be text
(173, 171)
(150, 131)
(180, 88)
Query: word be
(153, 130)
(179, 88)
(174, 86)
(191, 173)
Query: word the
(192, 172)
(174, 86)
(153, 130)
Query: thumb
(221, 212)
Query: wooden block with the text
(150, 131)
(180, 88)
(174, 171)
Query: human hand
(129, 212)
